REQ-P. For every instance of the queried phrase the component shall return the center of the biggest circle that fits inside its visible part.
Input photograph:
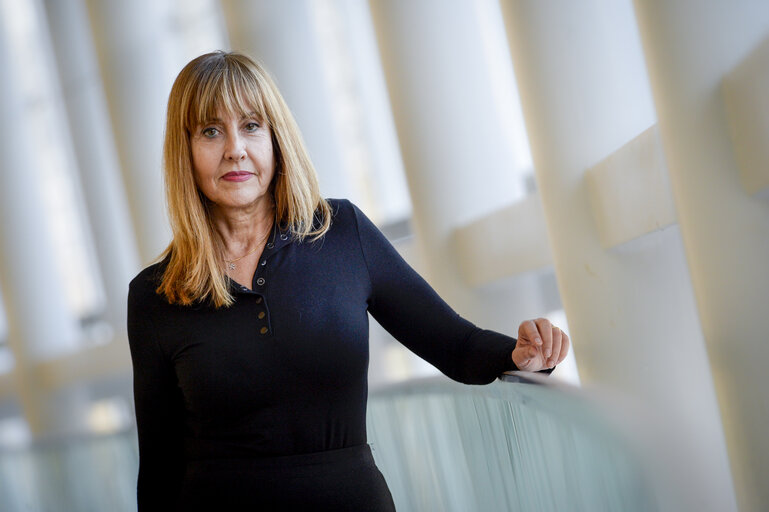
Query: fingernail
(538, 341)
(547, 353)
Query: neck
(243, 229)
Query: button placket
(260, 282)
(259, 274)
(262, 266)
(264, 316)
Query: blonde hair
(236, 84)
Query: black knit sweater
(284, 370)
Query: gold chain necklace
(231, 263)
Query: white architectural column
(89, 123)
(632, 313)
(283, 37)
(690, 47)
(39, 318)
(457, 156)
(136, 66)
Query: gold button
(258, 300)
(263, 330)
(261, 315)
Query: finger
(528, 331)
(557, 341)
(565, 343)
(546, 333)
(530, 354)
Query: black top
(284, 370)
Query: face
(233, 161)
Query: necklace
(231, 263)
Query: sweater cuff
(512, 367)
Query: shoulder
(344, 213)
(348, 223)
(340, 207)
(146, 282)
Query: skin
(540, 345)
(242, 211)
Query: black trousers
(334, 480)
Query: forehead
(221, 100)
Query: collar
(279, 238)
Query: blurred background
(602, 164)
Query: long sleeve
(409, 309)
(159, 406)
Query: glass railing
(522, 444)
(96, 473)
(519, 444)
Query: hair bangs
(228, 88)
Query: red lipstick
(237, 176)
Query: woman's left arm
(407, 307)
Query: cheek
(268, 157)
(203, 164)
(203, 170)
(269, 160)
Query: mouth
(238, 176)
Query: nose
(235, 149)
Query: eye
(210, 132)
(251, 126)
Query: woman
(249, 339)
